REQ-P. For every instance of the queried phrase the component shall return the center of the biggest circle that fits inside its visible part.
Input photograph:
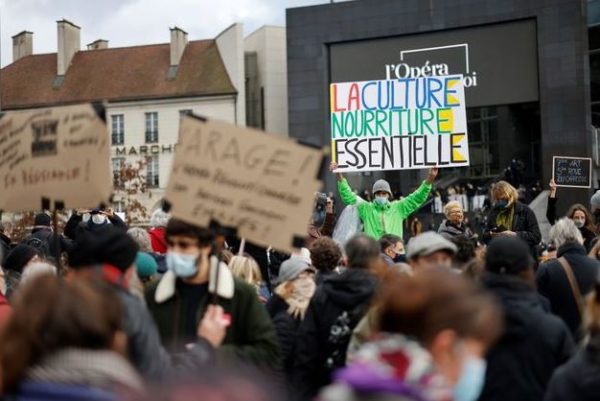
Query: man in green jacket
(184, 294)
(383, 216)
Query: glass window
(152, 171)
(118, 129)
(184, 112)
(117, 165)
(152, 127)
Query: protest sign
(575, 172)
(261, 184)
(399, 124)
(57, 155)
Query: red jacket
(5, 311)
(157, 237)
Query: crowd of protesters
(104, 311)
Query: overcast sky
(133, 22)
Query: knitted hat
(42, 219)
(595, 201)
(507, 255)
(108, 245)
(146, 265)
(428, 243)
(19, 256)
(382, 185)
(291, 268)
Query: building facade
(146, 89)
(525, 63)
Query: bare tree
(130, 183)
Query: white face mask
(98, 219)
(579, 222)
(182, 265)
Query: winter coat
(144, 346)
(349, 291)
(392, 368)
(552, 283)
(578, 379)
(157, 239)
(5, 311)
(4, 247)
(388, 219)
(325, 230)
(79, 374)
(286, 327)
(534, 343)
(53, 246)
(587, 234)
(250, 336)
(449, 230)
(524, 223)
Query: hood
(350, 288)
(397, 366)
(521, 304)
(572, 248)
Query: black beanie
(19, 256)
(108, 245)
(42, 219)
(508, 255)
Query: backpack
(340, 334)
(42, 245)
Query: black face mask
(401, 258)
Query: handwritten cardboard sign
(399, 124)
(261, 184)
(59, 154)
(575, 172)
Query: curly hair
(325, 254)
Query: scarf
(299, 298)
(395, 365)
(505, 217)
(96, 368)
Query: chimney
(22, 45)
(98, 44)
(178, 42)
(69, 43)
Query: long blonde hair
(245, 268)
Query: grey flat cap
(291, 268)
(427, 243)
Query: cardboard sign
(261, 184)
(399, 124)
(575, 172)
(54, 155)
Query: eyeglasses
(181, 244)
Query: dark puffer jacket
(578, 379)
(552, 283)
(348, 291)
(533, 344)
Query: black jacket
(533, 344)
(345, 292)
(553, 283)
(287, 331)
(55, 244)
(587, 234)
(4, 247)
(578, 379)
(146, 351)
(449, 230)
(524, 223)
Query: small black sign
(573, 172)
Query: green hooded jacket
(388, 219)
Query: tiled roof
(117, 74)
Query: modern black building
(530, 66)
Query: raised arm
(415, 200)
(551, 208)
(346, 193)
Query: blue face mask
(183, 266)
(381, 200)
(471, 380)
(502, 204)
